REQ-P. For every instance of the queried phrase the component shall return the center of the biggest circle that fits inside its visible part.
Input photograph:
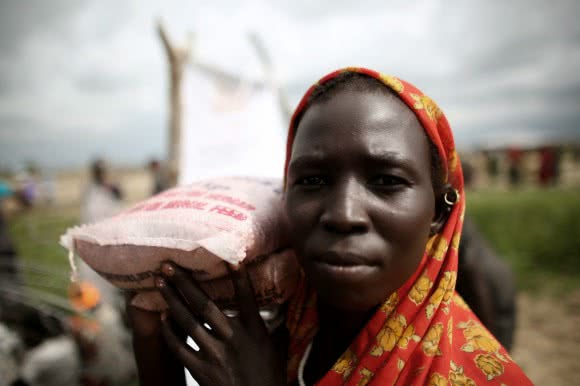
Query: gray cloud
(101, 82)
(22, 20)
(29, 141)
(80, 77)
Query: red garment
(547, 166)
(514, 156)
(424, 333)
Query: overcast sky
(86, 78)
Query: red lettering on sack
(195, 193)
(185, 204)
(231, 200)
(153, 206)
(229, 212)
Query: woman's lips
(342, 272)
(344, 266)
(343, 259)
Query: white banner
(229, 128)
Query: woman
(374, 196)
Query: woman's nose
(346, 210)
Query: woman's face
(359, 198)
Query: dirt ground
(547, 342)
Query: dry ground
(547, 343)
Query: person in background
(159, 176)
(550, 165)
(491, 165)
(48, 189)
(26, 190)
(101, 339)
(514, 157)
(546, 169)
(101, 199)
(8, 263)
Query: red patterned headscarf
(424, 333)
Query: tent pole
(177, 57)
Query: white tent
(224, 123)
(230, 126)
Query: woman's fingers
(248, 307)
(182, 315)
(202, 370)
(185, 354)
(198, 302)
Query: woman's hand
(156, 364)
(236, 351)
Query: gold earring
(451, 197)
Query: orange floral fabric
(424, 333)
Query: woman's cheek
(300, 211)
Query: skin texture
(361, 206)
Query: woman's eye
(387, 180)
(311, 181)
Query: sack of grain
(198, 226)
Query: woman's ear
(444, 201)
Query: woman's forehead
(379, 122)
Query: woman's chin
(346, 300)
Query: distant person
(101, 199)
(514, 156)
(491, 165)
(576, 154)
(546, 171)
(106, 353)
(48, 189)
(468, 174)
(550, 165)
(8, 263)
(5, 190)
(558, 153)
(102, 339)
(160, 177)
(26, 189)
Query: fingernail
(235, 267)
(159, 282)
(167, 269)
(163, 316)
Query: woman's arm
(156, 364)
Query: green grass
(35, 234)
(536, 231)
